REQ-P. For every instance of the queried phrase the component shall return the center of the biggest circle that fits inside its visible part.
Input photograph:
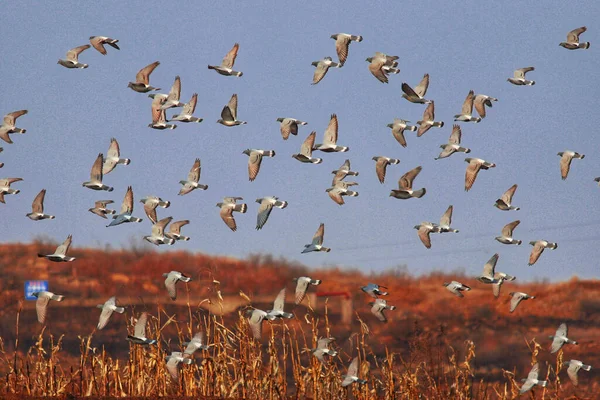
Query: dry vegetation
(435, 346)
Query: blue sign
(34, 286)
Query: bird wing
(38, 203)
(376, 69)
(336, 196)
(254, 162)
(170, 285)
(446, 219)
(143, 75)
(573, 36)
(408, 90)
(323, 343)
(319, 234)
(406, 180)
(340, 174)
(572, 372)
(320, 72)
(175, 91)
(421, 88)
(533, 374)
(41, 307)
(562, 330)
(508, 195)
(11, 118)
(190, 106)
(73, 54)
(423, 233)
(97, 42)
(96, 172)
(233, 104)
(398, 133)
(102, 203)
(377, 310)
(104, 316)
(536, 252)
(456, 135)
(158, 229)
(565, 164)
(140, 326)
(308, 145)
(489, 269)
(127, 206)
(496, 287)
(264, 210)
(341, 47)
(380, 169)
(471, 174)
(479, 104)
(229, 59)
(150, 209)
(227, 217)
(279, 302)
(429, 113)
(514, 302)
(172, 368)
(520, 73)
(176, 226)
(157, 113)
(194, 174)
(255, 322)
(63, 248)
(331, 133)
(508, 228)
(467, 107)
(113, 149)
(353, 368)
(301, 289)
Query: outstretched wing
(308, 145)
(508, 228)
(11, 118)
(177, 225)
(38, 203)
(143, 75)
(190, 107)
(96, 172)
(140, 326)
(446, 219)
(406, 180)
(175, 91)
(471, 174)
(63, 248)
(319, 234)
(456, 135)
(331, 133)
(508, 195)
(573, 36)
(127, 206)
(233, 104)
(229, 59)
(194, 174)
(467, 107)
(536, 252)
(73, 54)
(421, 88)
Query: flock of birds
(381, 67)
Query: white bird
(108, 307)
(453, 144)
(507, 234)
(352, 374)
(139, 334)
(72, 60)
(532, 380)
(519, 77)
(100, 208)
(226, 67)
(381, 164)
(255, 157)
(41, 304)
(142, 79)
(466, 114)
(560, 338)
(342, 41)
(405, 183)
(126, 210)
(150, 204)
(95, 182)
(8, 125)
(278, 304)
(113, 157)
(302, 284)
(266, 206)
(229, 113)
(424, 229)
(98, 43)
(317, 241)
(159, 116)
(341, 189)
(538, 249)
(446, 221)
(197, 343)
(255, 320)
(481, 101)
(417, 95)
(565, 161)
(6, 189)
(330, 138)
(305, 155)
(173, 361)
(342, 172)
(517, 297)
(192, 179)
(475, 164)
(60, 254)
(175, 230)
(289, 126)
(172, 278)
(428, 120)
(378, 307)
(37, 208)
(322, 68)
(173, 96)
(158, 233)
(398, 127)
(323, 349)
(505, 202)
(228, 206)
(574, 367)
(188, 111)
(456, 288)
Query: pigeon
(466, 114)
(158, 233)
(305, 155)
(159, 116)
(532, 379)
(197, 343)
(95, 182)
(192, 180)
(516, 299)
(456, 288)
(172, 278)
(372, 289)
(381, 164)
(226, 67)
(229, 113)
(574, 367)
(323, 349)
(505, 202)
(378, 307)
(565, 161)
(417, 95)
(150, 204)
(322, 68)
(126, 210)
(173, 96)
(266, 205)
(255, 321)
(341, 189)
(500, 278)
(398, 127)
(37, 208)
(489, 271)
(423, 231)
(342, 172)
(255, 157)
(113, 157)
(446, 221)
(428, 120)
(60, 254)
(108, 307)
(405, 190)
(142, 79)
(98, 43)
(480, 101)
(538, 249)
(507, 233)
(352, 374)
(317, 241)
(100, 208)
(330, 138)
(8, 125)
(72, 57)
(41, 304)
(139, 333)
(228, 206)
(475, 164)
(342, 41)
(453, 144)
(302, 285)
(519, 77)
(573, 42)
(277, 311)
(381, 65)
(188, 111)
(6, 189)
(175, 230)
(173, 361)
(289, 126)
(560, 338)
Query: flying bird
(378, 307)
(488, 275)
(139, 333)
(323, 349)
(517, 297)
(8, 125)
(100, 208)
(173, 362)
(175, 230)
(381, 164)
(398, 127)
(228, 206)
(277, 311)
(538, 249)
(532, 380)
(126, 210)
(255, 157)
(192, 180)
(41, 304)
(108, 308)
(188, 111)
(352, 374)
(475, 164)
(505, 202)
(158, 236)
(456, 288)
(6, 189)
(372, 289)
(317, 241)
(229, 113)
(322, 68)
(113, 157)
(423, 231)
(381, 65)
(507, 234)
(302, 285)
(150, 204)
(466, 114)
(519, 77)
(173, 96)
(573, 42)
(480, 101)
(342, 172)
(340, 189)
(330, 138)
(417, 95)
(142, 79)
(95, 182)
(453, 144)
(574, 367)
(98, 43)
(37, 208)
(428, 120)
(305, 155)
(72, 60)
(560, 338)
(342, 41)
(255, 320)
(565, 161)
(446, 221)
(226, 67)
(197, 343)
(60, 254)
(405, 183)
(159, 116)
(289, 126)
(266, 206)
(171, 280)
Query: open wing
(143, 75)
(229, 59)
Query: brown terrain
(430, 330)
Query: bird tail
(586, 367)
(124, 161)
(571, 341)
(394, 161)
(302, 123)
(185, 238)
(164, 204)
(120, 310)
(237, 73)
(439, 124)
(392, 308)
(553, 245)
(464, 149)
(129, 337)
(419, 193)
(361, 381)
(57, 297)
(315, 282)
(351, 193)
(317, 160)
(281, 204)
(51, 216)
(412, 128)
(203, 187)
(20, 130)
(342, 148)
(269, 153)
(543, 383)
(211, 67)
(586, 45)
(186, 279)
(325, 249)
(241, 208)
(288, 315)
(360, 38)
(41, 255)
(392, 70)
(187, 361)
(530, 83)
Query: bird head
(417, 227)
(279, 119)
(246, 152)
(219, 204)
(219, 121)
(445, 284)
(370, 59)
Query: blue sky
(74, 113)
